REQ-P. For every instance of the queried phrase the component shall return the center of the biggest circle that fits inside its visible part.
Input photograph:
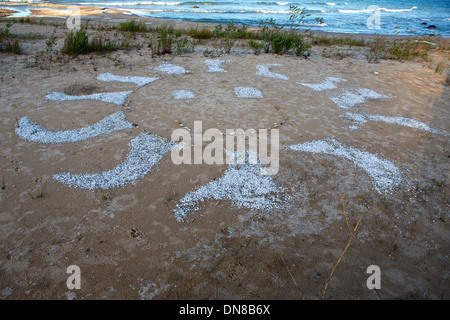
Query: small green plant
(226, 38)
(11, 46)
(338, 53)
(377, 49)
(399, 50)
(269, 29)
(50, 43)
(279, 41)
(200, 34)
(282, 42)
(226, 44)
(184, 45)
(132, 25)
(325, 40)
(97, 44)
(7, 44)
(126, 40)
(257, 46)
(440, 67)
(76, 43)
(232, 31)
(215, 53)
(163, 44)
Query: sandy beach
(364, 159)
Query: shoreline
(106, 14)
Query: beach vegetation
(50, 43)
(277, 40)
(326, 40)
(212, 53)
(76, 42)
(234, 31)
(440, 67)
(256, 46)
(338, 53)
(201, 34)
(10, 46)
(163, 43)
(183, 45)
(167, 41)
(377, 49)
(126, 42)
(6, 43)
(407, 49)
(100, 45)
(133, 26)
(272, 37)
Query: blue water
(348, 16)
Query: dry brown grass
(352, 234)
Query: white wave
(24, 1)
(331, 3)
(355, 11)
(398, 10)
(273, 11)
(117, 3)
(316, 24)
(141, 12)
(372, 10)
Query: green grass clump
(201, 34)
(99, 45)
(234, 32)
(132, 26)
(256, 46)
(169, 41)
(76, 43)
(7, 44)
(276, 40)
(399, 49)
(325, 40)
(10, 46)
